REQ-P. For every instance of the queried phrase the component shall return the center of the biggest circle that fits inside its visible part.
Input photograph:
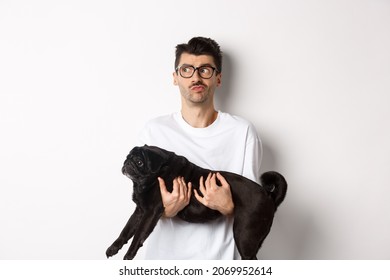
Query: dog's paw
(128, 257)
(111, 251)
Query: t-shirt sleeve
(144, 136)
(253, 156)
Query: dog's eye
(139, 162)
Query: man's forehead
(196, 60)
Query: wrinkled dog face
(135, 166)
(143, 164)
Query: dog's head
(144, 164)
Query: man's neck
(199, 117)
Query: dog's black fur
(254, 205)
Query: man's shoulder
(161, 120)
(238, 124)
(157, 126)
(234, 120)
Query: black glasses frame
(197, 69)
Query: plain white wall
(78, 79)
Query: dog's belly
(195, 212)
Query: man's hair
(200, 46)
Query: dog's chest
(148, 200)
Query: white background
(79, 78)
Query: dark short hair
(200, 46)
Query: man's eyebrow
(205, 64)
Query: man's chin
(198, 97)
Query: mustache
(198, 84)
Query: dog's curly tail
(276, 186)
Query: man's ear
(175, 79)
(219, 79)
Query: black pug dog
(254, 204)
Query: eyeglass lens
(187, 71)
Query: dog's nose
(125, 167)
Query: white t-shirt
(231, 144)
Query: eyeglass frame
(197, 69)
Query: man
(209, 138)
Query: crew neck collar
(194, 130)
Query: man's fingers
(213, 181)
(199, 198)
(183, 189)
(222, 180)
(163, 187)
(207, 182)
(189, 191)
(176, 188)
(201, 186)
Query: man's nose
(196, 76)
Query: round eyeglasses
(187, 71)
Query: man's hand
(176, 200)
(215, 197)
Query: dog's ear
(157, 158)
(156, 161)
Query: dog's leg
(249, 235)
(127, 233)
(145, 228)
